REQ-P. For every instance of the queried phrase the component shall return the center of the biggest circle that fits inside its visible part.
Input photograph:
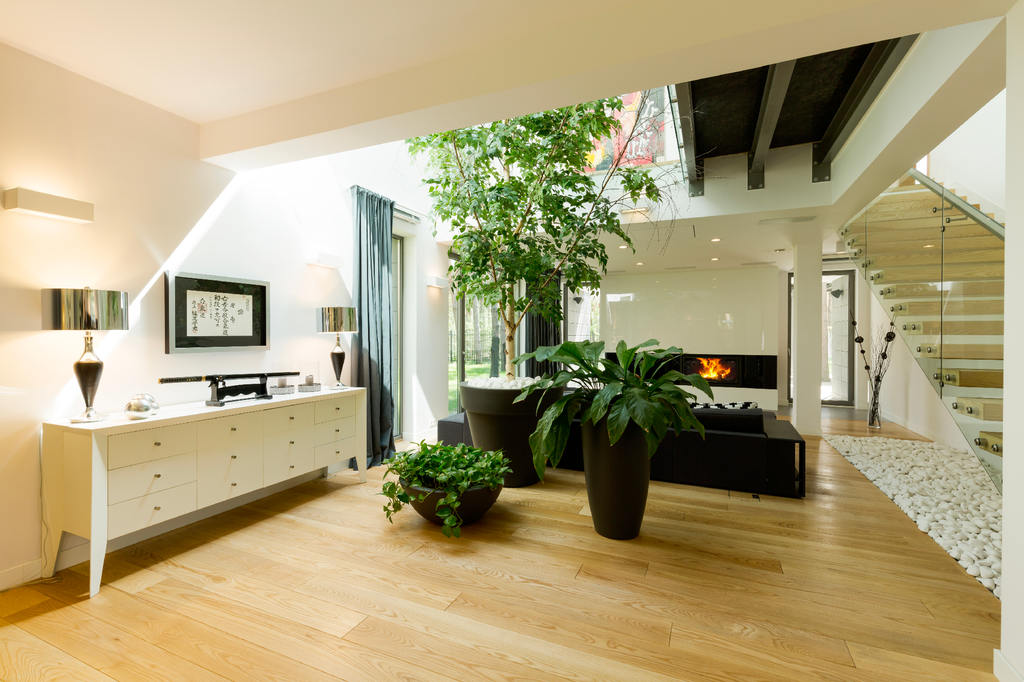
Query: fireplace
(719, 370)
(737, 371)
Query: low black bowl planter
(497, 424)
(474, 502)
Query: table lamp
(86, 310)
(336, 320)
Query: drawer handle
(337, 430)
(156, 508)
(157, 475)
(233, 428)
(291, 442)
(234, 484)
(157, 443)
(337, 452)
(291, 466)
(291, 418)
(337, 409)
(234, 456)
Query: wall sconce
(336, 320)
(327, 260)
(21, 200)
(86, 310)
(437, 282)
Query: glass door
(838, 363)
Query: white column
(807, 338)
(1009, 659)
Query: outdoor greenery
(524, 207)
(452, 469)
(636, 389)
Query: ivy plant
(639, 387)
(451, 469)
(525, 205)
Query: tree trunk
(476, 332)
(510, 346)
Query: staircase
(935, 262)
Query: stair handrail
(959, 204)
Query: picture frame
(209, 313)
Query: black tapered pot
(618, 479)
(497, 424)
(474, 502)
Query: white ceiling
(211, 59)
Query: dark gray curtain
(372, 351)
(541, 332)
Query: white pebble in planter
(945, 491)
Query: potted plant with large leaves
(450, 485)
(528, 215)
(626, 409)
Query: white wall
(1009, 663)
(908, 398)
(701, 311)
(65, 135)
(158, 207)
(973, 159)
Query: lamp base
(90, 415)
(337, 387)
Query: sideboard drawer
(224, 458)
(223, 430)
(126, 449)
(283, 468)
(219, 488)
(340, 429)
(287, 442)
(326, 455)
(149, 477)
(335, 408)
(286, 418)
(150, 509)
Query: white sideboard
(106, 479)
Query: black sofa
(743, 450)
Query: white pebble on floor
(944, 490)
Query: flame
(712, 368)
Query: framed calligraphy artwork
(207, 313)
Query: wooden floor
(314, 584)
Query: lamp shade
(85, 309)
(335, 320)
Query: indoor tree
(526, 206)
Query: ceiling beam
(775, 88)
(880, 65)
(694, 167)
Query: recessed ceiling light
(623, 246)
(779, 250)
(714, 259)
(639, 263)
(716, 239)
(928, 246)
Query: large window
(397, 280)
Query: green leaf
(600, 405)
(618, 420)
(640, 409)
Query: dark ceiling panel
(725, 111)
(818, 86)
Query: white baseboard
(429, 435)
(933, 436)
(74, 555)
(1003, 669)
(16, 575)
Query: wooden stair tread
(955, 307)
(985, 409)
(970, 378)
(961, 351)
(990, 441)
(957, 272)
(917, 246)
(915, 232)
(933, 256)
(953, 327)
(931, 291)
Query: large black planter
(618, 478)
(497, 424)
(475, 502)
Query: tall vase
(874, 406)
